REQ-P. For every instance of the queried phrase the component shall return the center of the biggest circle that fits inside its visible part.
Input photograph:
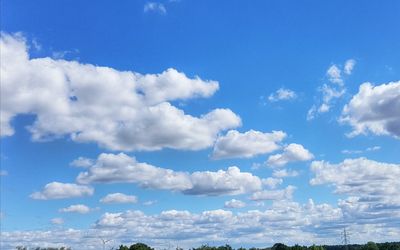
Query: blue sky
(214, 119)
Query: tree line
(278, 246)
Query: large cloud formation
(373, 188)
(284, 221)
(374, 109)
(119, 110)
(121, 168)
(361, 177)
(371, 210)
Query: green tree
(280, 246)
(314, 247)
(140, 246)
(370, 246)
(226, 247)
(122, 247)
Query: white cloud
(155, 7)
(272, 182)
(245, 145)
(58, 190)
(324, 108)
(120, 168)
(78, 208)
(311, 113)
(82, 162)
(3, 173)
(119, 198)
(149, 203)
(282, 173)
(346, 151)
(173, 85)
(374, 148)
(234, 204)
(369, 149)
(374, 109)
(282, 94)
(332, 90)
(373, 189)
(284, 221)
(57, 221)
(349, 66)
(79, 101)
(291, 153)
(359, 177)
(281, 194)
(334, 75)
(230, 181)
(329, 93)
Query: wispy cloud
(332, 89)
(282, 94)
(155, 7)
(359, 151)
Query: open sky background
(199, 122)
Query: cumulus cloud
(373, 188)
(119, 198)
(284, 221)
(79, 101)
(120, 168)
(359, 177)
(291, 153)
(245, 145)
(281, 194)
(234, 204)
(155, 7)
(282, 173)
(374, 109)
(78, 208)
(230, 181)
(82, 162)
(272, 182)
(282, 94)
(221, 225)
(58, 190)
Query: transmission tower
(345, 238)
(104, 241)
